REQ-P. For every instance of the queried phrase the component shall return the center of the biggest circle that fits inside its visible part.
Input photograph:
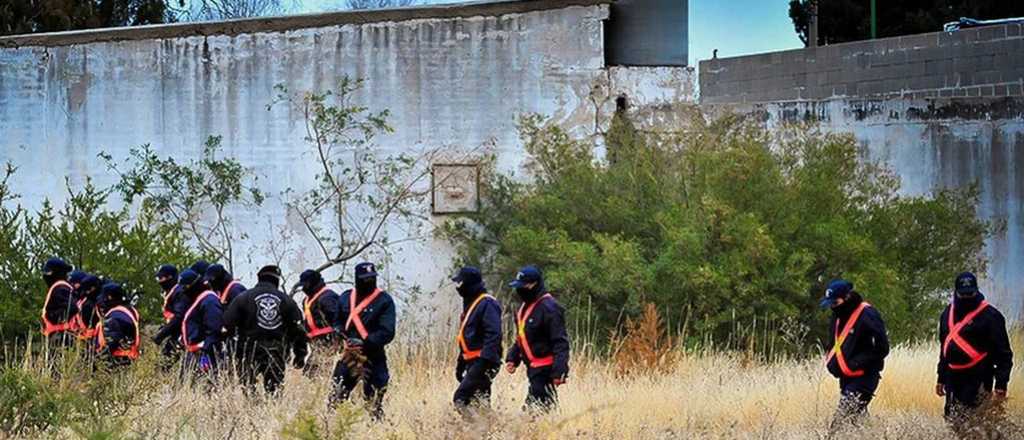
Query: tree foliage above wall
(731, 231)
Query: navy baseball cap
(56, 266)
(310, 276)
(966, 283)
(76, 277)
(167, 270)
(836, 289)
(468, 275)
(526, 275)
(199, 267)
(365, 270)
(188, 278)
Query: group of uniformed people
(975, 358)
(210, 319)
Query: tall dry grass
(700, 396)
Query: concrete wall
(983, 61)
(943, 110)
(452, 76)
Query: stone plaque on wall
(455, 188)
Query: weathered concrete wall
(944, 143)
(985, 61)
(451, 76)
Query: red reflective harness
(85, 332)
(224, 293)
(524, 344)
(168, 314)
(954, 337)
(314, 331)
(468, 354)
(354, 311)
(837, 349)
(133, 351)
(192, 348)
(50, 328)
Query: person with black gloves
(88, 317)
(268, 323)
(975, 359)
(176, 303)
(542, 342)
(59, 307)
(859, 344)
(366, 322)
(118, 338)
(223, 283)
(478, 340)
(201, 326)
(319, 308)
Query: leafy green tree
(840, 21)
(31, 16)
(116, 244)
(727, 228)
(195, 196)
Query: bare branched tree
(378, 4)
(362, 193)
(211, 10)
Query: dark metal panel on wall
(647, 33)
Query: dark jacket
(987, 334)
(265, 315)
(378, 318)
(235, 290)
(867, 344)
(118, 331)
(206, 324)
(178, 304)
(483, 329)
(324, 310)
(87, 310)
(61, 306)
(546, 334)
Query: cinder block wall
(977, 62)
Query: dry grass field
(700, 396)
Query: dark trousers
(968, 407)
(475, 387)
(855, 395)
(375, 378)
(255, 360)
(542, 395)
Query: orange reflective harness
(314, 331)
(133, 351)
(168, 314)
(468, 354)
(954, 337)
(224, 293)
(192, 348)
(85, 332)
(837, 348)
(524, 344)
(354, 311)
(50, 328)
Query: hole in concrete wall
(621, 103)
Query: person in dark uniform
(59, 307)
(88, 316)
(201, 327)
(542, 342)
(319, 310)
(366, 322)
(117, 341)
(478, 340)
(859, 344)
(269, 328)
(223, 284)
(176, 303)
(975, 360)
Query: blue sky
(734, 27)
